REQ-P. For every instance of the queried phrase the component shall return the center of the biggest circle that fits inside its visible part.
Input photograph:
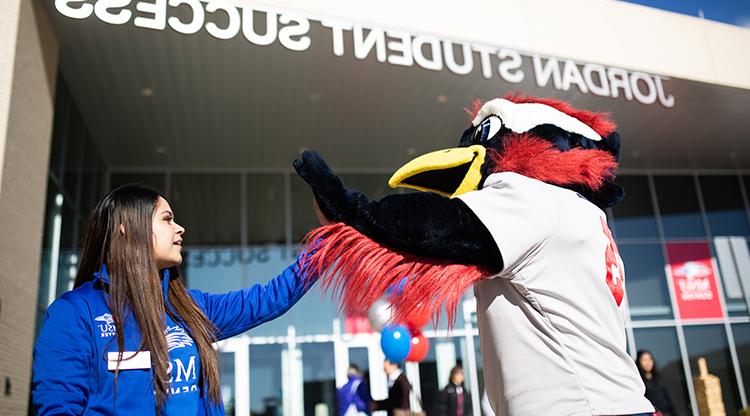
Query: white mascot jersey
(550, 328)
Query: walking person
(453, 399)
(398, 390)
(130, 339)
(353, 397)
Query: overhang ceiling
(230, 104)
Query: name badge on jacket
(131, 360)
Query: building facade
(209, 101)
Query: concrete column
(28, 66)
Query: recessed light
(315, 96)
(442, 98)
(160, 150)
(147, 92)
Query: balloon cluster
(400, 341)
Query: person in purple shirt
(353, 397)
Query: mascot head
(540, 138)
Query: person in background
(398, 390)
(353, 397)
(656, 393)
(453, 399)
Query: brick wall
(26, 110)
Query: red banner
(694, 280)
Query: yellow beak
(449, 172)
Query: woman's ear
(122, 229)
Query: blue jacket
(70, 355)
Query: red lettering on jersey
(615, 275)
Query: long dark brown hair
(135, 289)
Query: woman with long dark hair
(130, 338)
(656, 393)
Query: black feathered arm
(421, 223)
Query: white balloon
(379, 314)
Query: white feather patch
(523, 117)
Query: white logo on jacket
(107, 327)
(182, 370)
(177, 338)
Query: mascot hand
(327, 187)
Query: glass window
(221, 270)
(678, 205)
(303, 217)
(733, 259)
(663, 345)
(359, 356)
(645, 282)
(319, 389)
(228, 391)
(153, 180)
(92, 191)
(373, 186)
(434, 370)
(710, 342)
(215, 270)
(266, 380)
(724, 207)
(742, 341)
(64, 105)
(314, 313)
(208, 206)
(50, 247)
(266, 209)
(70, 242)
(634, 216)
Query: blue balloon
(395, 341)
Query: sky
(733, 12)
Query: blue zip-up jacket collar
(70, 356)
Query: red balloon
(419, 348)
(418, 319)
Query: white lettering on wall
(225, 19)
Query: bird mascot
(516, 212)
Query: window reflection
(645, 283)
(152, 180)
(265, 209)
(303, 218)
(207, 205)
(733, 258)
(710, 342)
(228, 393)
(266, 380)
(678, 205)
(634, 216)
(741, 334)
(319, 389)
(434, 370)
(724, 207)
(665, 349)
